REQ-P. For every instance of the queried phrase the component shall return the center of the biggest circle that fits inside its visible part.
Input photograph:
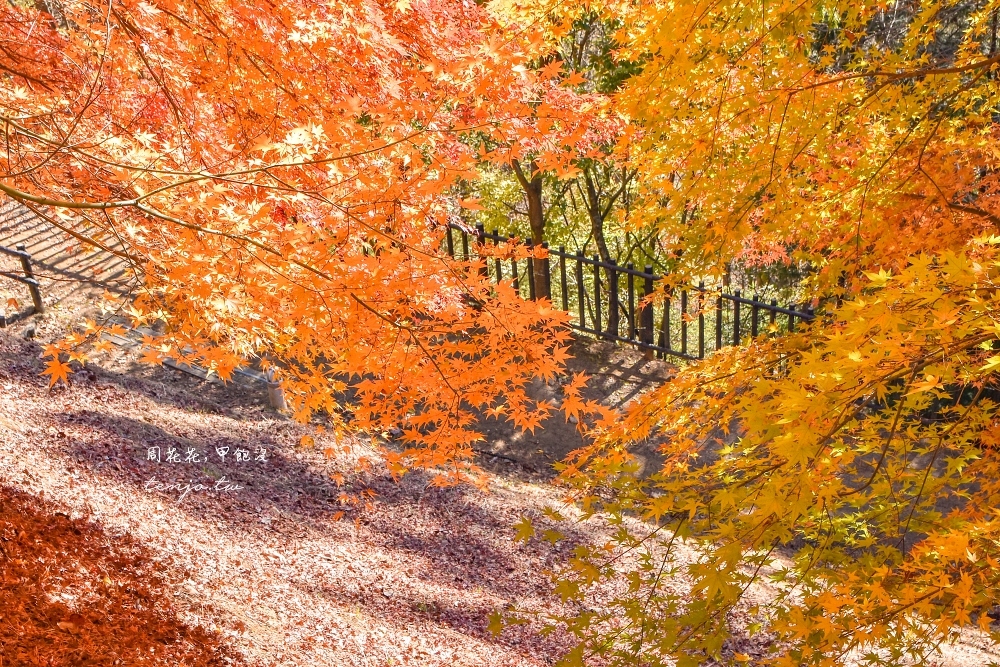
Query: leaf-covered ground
(99, 570)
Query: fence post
(275, 395)
(497, 264)
(36, 295)
(684, 321)
(718, 323)
(665, 342)
(544, 290)
(597, 293)
(614, 316)
(581, 292)
(514, 276)
(631, 301)
(646, 312)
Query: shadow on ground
(618, 375)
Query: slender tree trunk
(536, 219)
(597, 230)
(596, 218)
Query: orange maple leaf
(57, 370)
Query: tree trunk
(536, 219)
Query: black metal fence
(608, 300)
(26, 277)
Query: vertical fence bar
(701, 320)
(684, 322)
(36, 295)
(484, 270)
(736, 318)
(498, 263)
(646, 312)
(451, 242)
(562, 278)
(754, 316)
(546, 286)
(791, 319)
(531, 272)
(597, 294)
(631, 301)
(580, 291)
(465, 245)
(664, 341)
(718, 323)
(614, 306)
(546, 292)
(513, 271)
(774, 315)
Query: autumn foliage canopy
(854, 466)
(278, 177)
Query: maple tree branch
(888, 440)
(937, 451)
(897, 76)
(193, 176)
(91, 94)
(972, 210)
(135, 203)
(412, 336)
(519, 173)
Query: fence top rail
(802, 315)
(624, 269)
(14, 253)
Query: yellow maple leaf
(525, 529)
